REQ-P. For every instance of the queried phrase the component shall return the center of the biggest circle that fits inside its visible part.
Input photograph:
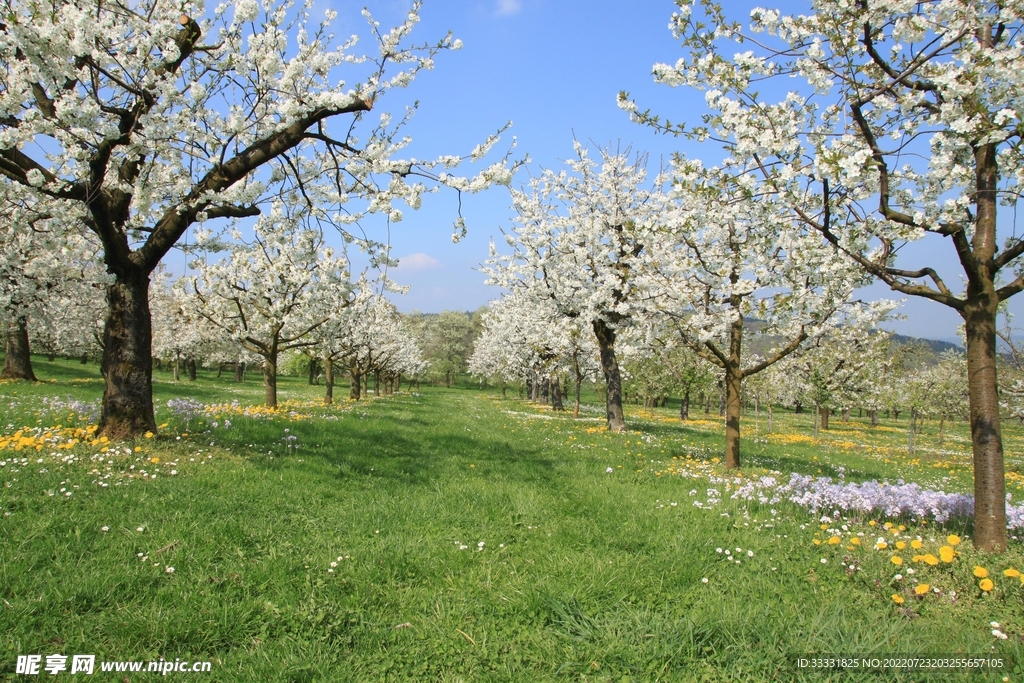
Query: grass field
(452, 535)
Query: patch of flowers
(818, 494)
(73, 408)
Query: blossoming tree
(578, 240)
(905, 125)
(733, 253)
(142, 119)
(271, 293)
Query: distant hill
(937, 346)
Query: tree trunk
(874, 418)
(913, 430)
(270, 378)
(613, 380)
(824, 412)
(353, 389)
(328, 380)
(85, 359)
(17, 354)
(817, 414)
(942, 422)
(771, 415)
(376, 382)
(191, 365)
(545, 390)
(733, 379)
(846, 414)
(576, 404)
(313, 371)
(684, 406)
(986, 432)
(556, 395)
(127, 365)
(176, 370)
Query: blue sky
(554, 68)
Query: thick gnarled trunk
(17, 354)
(612, 378)
(127, 364)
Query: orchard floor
(453, 535)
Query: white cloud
(416, 263)
(507, 8)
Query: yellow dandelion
(154, 460)
(901, 545)
(946, 553)
(834, 540)
(881, 545)
(854, 541)
(922, 588)
(986, 585)
(897, 598)
(953, 539)
(896, 560)
(872, 523)
(980, 572)
(148, 435)
(916, 544)
(816, 541)
(1011, 572)
(930, 559)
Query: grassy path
(449, 536)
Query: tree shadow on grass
(412, 454)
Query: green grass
(584, 575)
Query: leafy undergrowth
(455, 536)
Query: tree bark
(191, 365)
(874, 418)
(684, 406)
(127, 363)
(328, 381)
(824, 412)
(17, 353)
(613, 379)
(556, 395)
(270, 378)
(912, 432)
(353, 389)
(733, 380)
(986, 432)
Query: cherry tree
(731, 254)
(49, 281)
(905, 125)
(178, 332)
(139, 120)
(579, 237)
(525, 340)
(271, 293)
